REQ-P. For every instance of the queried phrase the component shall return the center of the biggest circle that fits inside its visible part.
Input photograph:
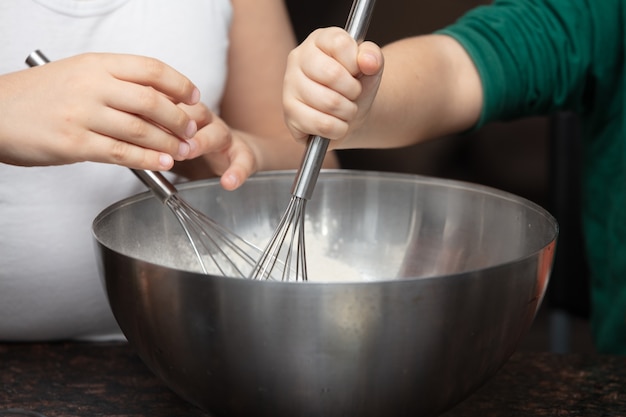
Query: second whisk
(287, 246)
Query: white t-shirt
(49, 282)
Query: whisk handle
(357, 24)
(36, 58)
(157, 183)
(359, 18)
(309, 170)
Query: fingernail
(230, 181)
(193, 145)
(166, 161)
(191, 130)
(183, 149)
(195, 96)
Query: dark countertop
(75, 379)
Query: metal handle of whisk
(155, 181)
(306, 178)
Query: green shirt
(535, 57)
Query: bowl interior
(359, 226)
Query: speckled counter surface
(110, 380)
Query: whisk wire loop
(287, 235)
(230, 254)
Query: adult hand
(111, 108)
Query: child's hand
(220, 151)
(330, 84)
(110, 108)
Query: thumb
(370, 58)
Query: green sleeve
(536, 56)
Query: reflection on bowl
(452, 276)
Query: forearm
(429, 88)
(283, 153)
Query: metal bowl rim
(342, 173)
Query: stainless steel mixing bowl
(453, 274)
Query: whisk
(287, 242)
(217, 249)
